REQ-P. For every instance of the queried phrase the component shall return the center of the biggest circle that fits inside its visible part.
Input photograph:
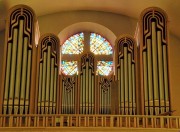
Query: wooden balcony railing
(122, 121)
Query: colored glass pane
(69, 67)
(104, 67)
(74, 44)
(99, 45)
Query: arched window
(86, 58)
(98, 45)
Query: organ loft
(88, 77)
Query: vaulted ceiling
(131, 8)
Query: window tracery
(74, 44)
(69, 67)
(104, 67)
(99, 45)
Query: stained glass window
(69, 67)
(104, 67)
(74, 44)
(99, 45)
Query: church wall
(118, 24)
(174, 65)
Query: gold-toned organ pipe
(72, 106)
(74, 99)
(7, 76)
(145, 77)
(24, 65)
(150, 71)
(52, 83)
(108, 100)
(67, 102)
(24, 74)
(160, 66)
(55, 87)
(48, 77)
(154, 57)
(126, 75)
(130, 78)
(63, 98)
(93, 94)
(13, 66)
(165, 64)
(70, 103)
(81, 97)
(40, 86)
(28, 79)
(19, 61)
(105, 102)
(119, 93)
(87, 88)
(100, 96)
(84, 91)
(68, 97)
(90, 91)
(43, 81)
(122, 83)
(133, 88)
(71, 99)
(102, 100)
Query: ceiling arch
(131, 8)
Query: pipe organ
(126, 71)
(87, 85)
(69, 94)
(31, 82)
(48, 62)
(104, 89)
(19, 51)
(154, 61)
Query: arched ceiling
(131, 8)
